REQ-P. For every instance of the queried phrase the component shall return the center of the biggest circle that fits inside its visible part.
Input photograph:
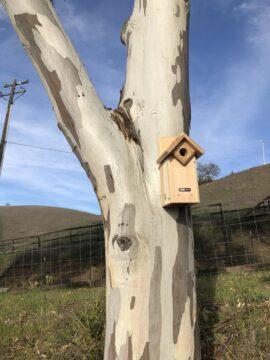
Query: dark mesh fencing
(224, 241)
(232, 251)
(231, 239)
(69, 257)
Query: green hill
(24, 221)
(242, 190)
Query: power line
(38, 147)
(70, 152)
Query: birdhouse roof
(182, 138)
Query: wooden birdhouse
(178, 170)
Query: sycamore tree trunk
(151, 297)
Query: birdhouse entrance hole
(183, 151)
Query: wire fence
(224, 241)
(234, 306)
(69, 257)
(231, 240)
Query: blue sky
(230, 88)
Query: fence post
(41, 260)
(225, 233)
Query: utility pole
(11, 100)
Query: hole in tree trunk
(123, 242)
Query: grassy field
(69, 323)
(52, 324)
(235, 315)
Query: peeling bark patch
(109, 178)
(115, 306)
(126, 237)
(108, 223)
(122, 117)
(128, 103)
(112, 354)
(46, 11)
(83, 163)
(110, 277)
(144, 6)
(126, 33)
(27, 23)
(145, 355)
(121, 95)
(132, 303)
(130, 351)
(128, 39)
(129, 46)
(190, 295)
(91, 177)
(180, 91)
(69, 140)
(176, 93)
(179, 274)
(155, 318)
(87, 169)
(126, 351)
(128, 217)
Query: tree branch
(82, 117)
(157, 81)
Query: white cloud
(86, 25)
(50, 177)
(251, 5)
(259, 34)
(57, 178)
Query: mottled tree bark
(151, 297)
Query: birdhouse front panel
(178, 171)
